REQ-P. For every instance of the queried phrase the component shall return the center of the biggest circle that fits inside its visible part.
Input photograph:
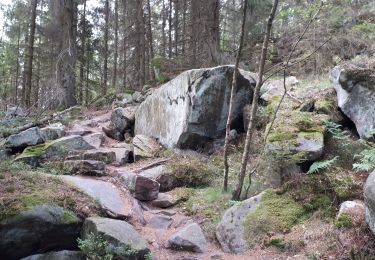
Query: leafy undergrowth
(22, 188)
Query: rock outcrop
(193, 107)
(230, 231)
(355, 89)
(119, 234)
(42, 229)
(29, 137)
(190, 238)
(60, 255)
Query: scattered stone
(145, 147)
(41, 229)
(369, 195)
(111, 131)
(190, 238)
(138, 97)
(355, 210)
(29, 137)
(163, 175)
(123, 118)
(355, 94)
(60, 255)
(164, 200)
(119, 234)
(79, 130)
(102, 155)
(160, 222)
(96, 139)
(85, 167)
(275, 88)
(5, 154)
(123, 155)
(14, 112)
(124, 100)
(105, 193)
(230, 231)
(53, 132)
(193, 107)
(143, 188)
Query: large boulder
(370, 201)
(193, 107)
(85, 167)
(230, 231)
(190, 238)
(355, 89)
(29, 137)
(57, 148)
(42, 229)
(119, 234)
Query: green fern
(321, 165)
(366, 161)
(336, 130)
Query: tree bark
(115, 58)
(83, 50)
(232, 94)
(151, 38)
(170, 30)
(254, 108)
(105, 67)
(30, 53)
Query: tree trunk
(115, 58)
(164, 40)
(105, 67)
(254, 108)
(30, 53)
(151, 38)
(232, 94)
(184, 28)
(170, 30)
(124, 43)
(83, 50)
(17, 66)
(176, 23)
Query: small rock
(123, 155)
(119, 234)
(102, 155)
(145, 147)
(64, 145)
(355, 210)
(164, 200)
(96, 139)
(53, 132)
(162, 175)
(190, 238)
(143, 188)
(138, 97)
(79, 130)
(29, 137)
(160, 222)
(111, 131)
(60, 255)
(85, 167)
(14, 112)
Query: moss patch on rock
(276, 213)
(22, 189)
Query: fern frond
(321, 165)
(366, 160)
(336, 130)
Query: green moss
(344, 221)
(344, 185)
(281, 137)
(276, 213)
(277, 242)
(325, 106)
(69, 217)
(36, 150)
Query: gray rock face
(230, 231)
(160, 222)
(370, 201)
(124, 153)
(145, 147)
(29, 137)
(53, 132)
(119, 234)
(95, 139)
(14, 111)
(162, 175)
(107, 195)
(65, 145)
(193, 107)
(356, 98)
(164, 200)
(190, 238)
(60, 255)
(4, 154)
(123, 118)
(102, 155)
(42, 229)
(85, 167)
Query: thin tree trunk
(184, 28)
(124, 43)
(83, 50)
(170, 30)
(87, 98)
(17, 66)
(115, 58)
(105, 68)
(176, 22)
(151, 38)
(164, 40)
(232, 94)
(30, 53)
(254, 108)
